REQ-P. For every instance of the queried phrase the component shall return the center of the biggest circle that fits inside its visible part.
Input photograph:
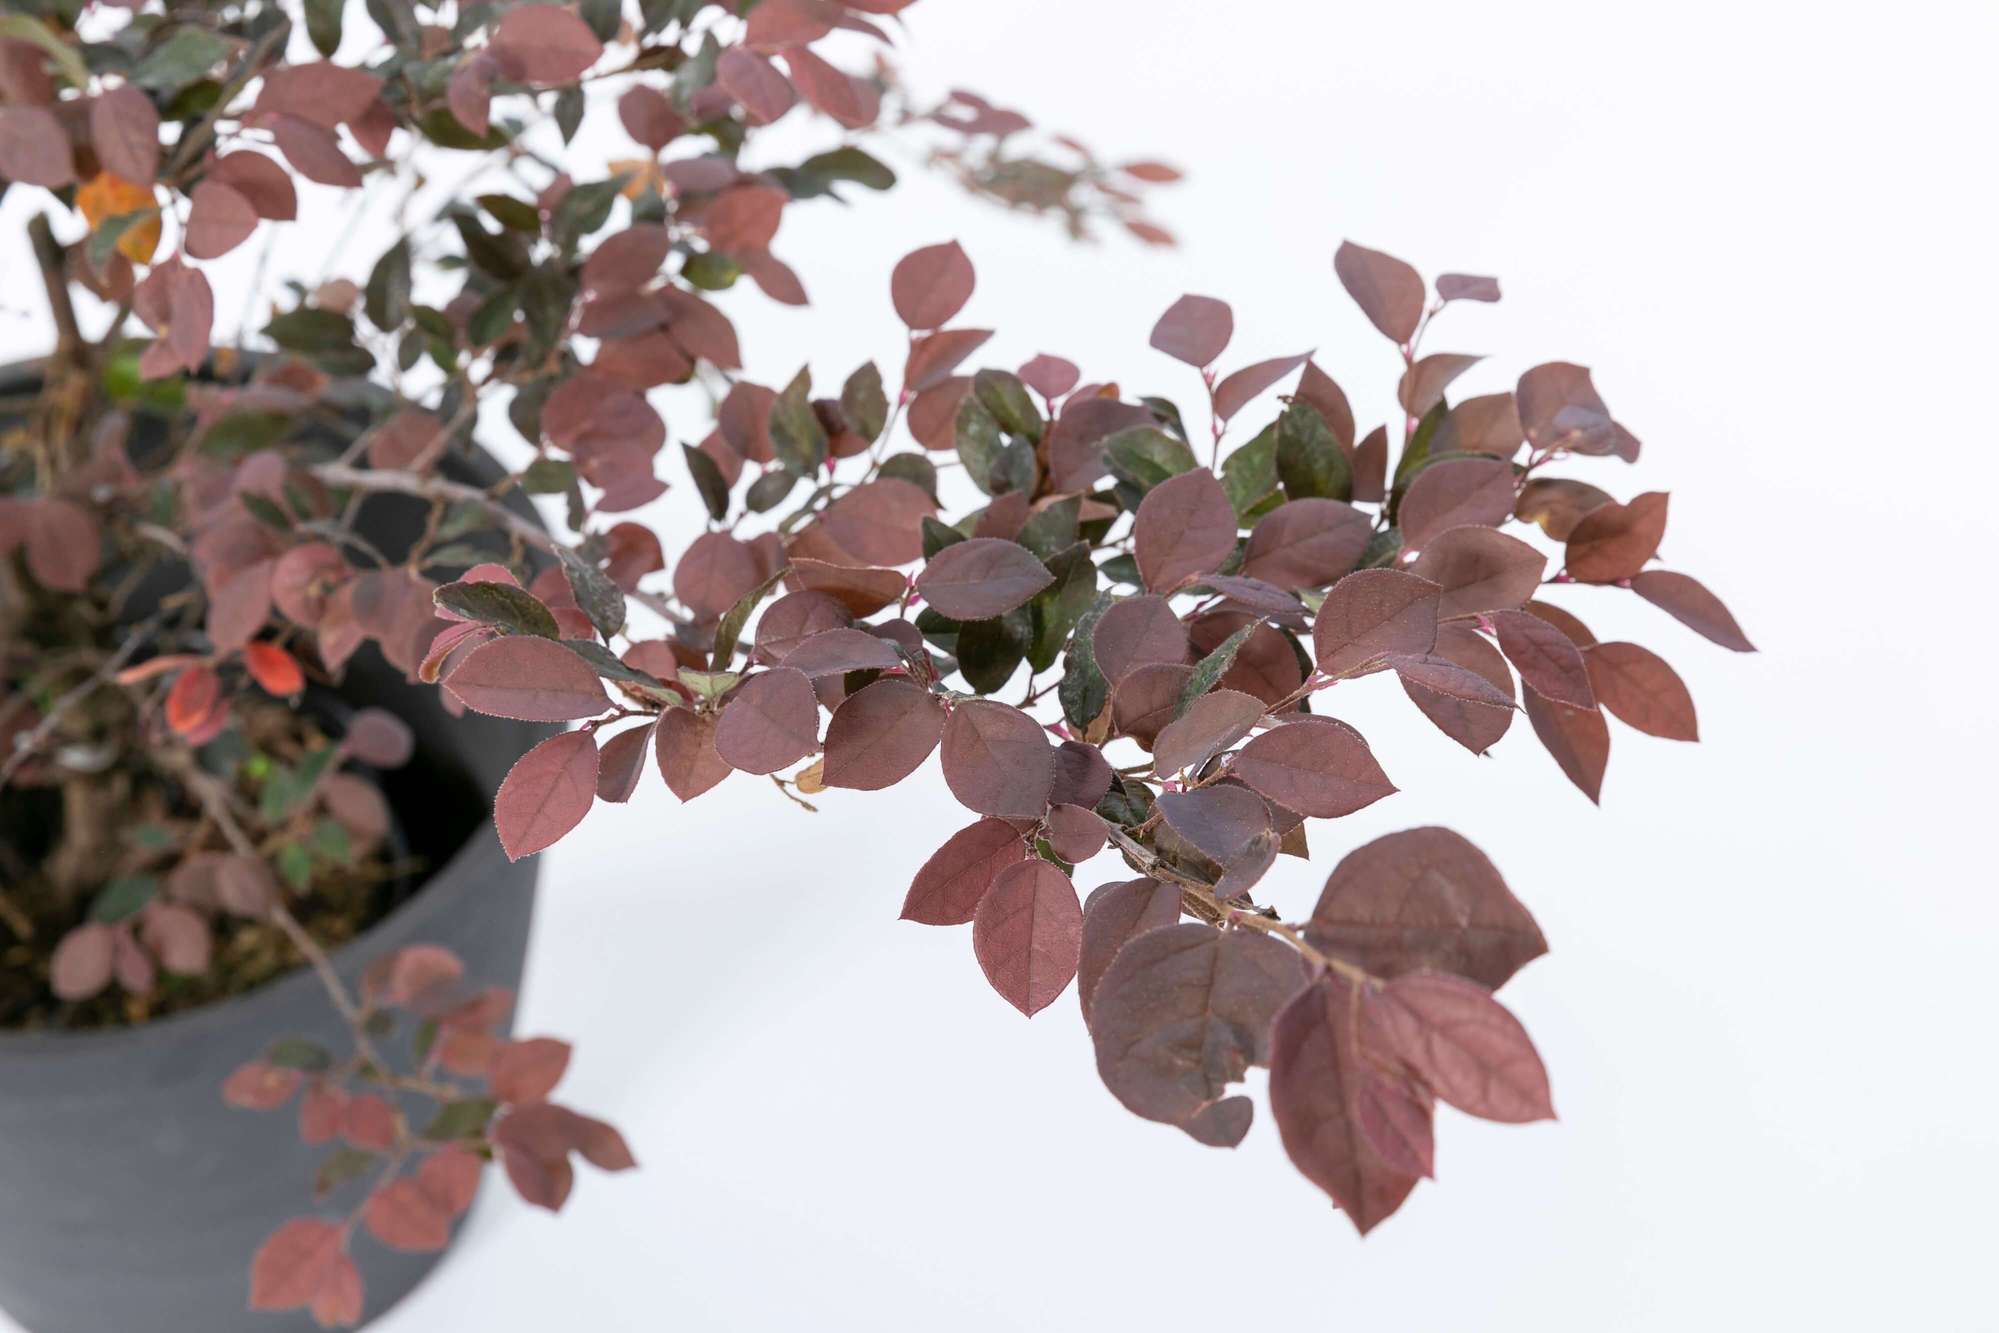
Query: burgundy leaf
(1578, 738)
(1464, 1044)
(527, 1071)
(1306, 543)
(1194, 329)
(1235, 392)
(1467, 287)
(1577, 632)
(1613, 541)
(628, 259)
(1082, 775)
(404, 1217)
(1473, 722)
(622, 762)
(1136, 632)
(1317, 389)
(1183, 1011)
(931, 285)
(1049, 376)
(294, 1263)
(261, 181)
(1423, 383)
(715, 573)
(648, 115)
(1114, 914)
(1372, 613)
(880, 522)
(1370, 467)
(684, 745)
(1220, 821)
(1547, 660)
(1486, 424)
(1316, 1073)
(1028, 934)
(1075, 833)
(255, 1086)
(1424, 898)
(1455, 493)
(757, 85)
(981, 578)
(80, 967)
(314, 152)
(794, 618)
(34, 148)
(770, 722)
(1389, 292)
(1320, 769)
(1690, 603)
(320, 91)
(834, 651)
(1185, 527)
(378, 737)
(546, 793)
(1557, 504)
(997, 760)
(1211, 724)
(933, 358)
(547, 44)
(1397, 1121)
(863, 590)
(881, 733)
(952, 883)
(831, 91)
(218, 220)
(1480, 569)
(1640, 690)
(529, 678)
(1560, 409)
(1146, 698)
(1440, 675)
(125, 131)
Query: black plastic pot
(131, 1197)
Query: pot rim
(465, 868)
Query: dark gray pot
(131, 1197)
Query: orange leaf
(106, 196)
(274, 669)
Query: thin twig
(34, 740)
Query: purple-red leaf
(621, 762)
(1028, 934)
(1613, 541)
(1559, 409)
(1578, 738)
(1641, 691)
(1453, 494)
(931, 284)
(1114, 914)
(1185, 528)
(219, 219)
(1479, 569)
(1137, 632)
(546, 44)
(1306, 543)
(1467, 287)
(770, 722)
(1211, 724)
(997, 760)
(1194, 329)
(951, 884)
(1389, 292)
(982, 578)
(1235, 392)
(1689, 602)
(1316, 1073)
(530, 678)
(1371, 614)
(1318, 768)
(546, 793)
(1424, 898)
(1464, 1045)
(684, 745)
(1183, 1011)
(881, 734)
(756, 84)
(34, 149)
(1546, 658)
(125, 131)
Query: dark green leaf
(583, 210)
(123, 896)
(187, 54)
(1249, 476)
(1058, 608)
(938, 535)
(979, 443)
(1142, 457)
(513, 214)
(601, 599)
(915, 469)
(548, 476)
(989, 651)
(515, 610)
(462, 1119)
(795, 431)
(1214, 666)
(708, 481)
(1309, 459)
(298, 1053)
(265, 510)
(322, 24)
(864, 403)
(1003, 395)
(1084, 691)
(711, 271)
(389, 288)
(768, 491)
(729, 630)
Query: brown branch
(55, 280)
(26, 746)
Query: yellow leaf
(106, 196)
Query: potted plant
(276, 636)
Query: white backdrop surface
(1767, 1013)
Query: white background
(1767, 1011)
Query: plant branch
(76, 694)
